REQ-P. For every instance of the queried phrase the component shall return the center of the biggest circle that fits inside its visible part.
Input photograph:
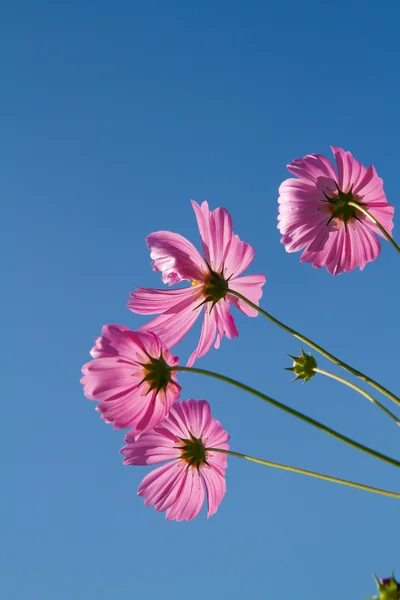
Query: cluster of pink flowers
(133, 373)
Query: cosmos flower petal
(175, 257)
(370, 186)
(215, 434)
(303, 235)
(346, 164)
(299, 194)
(316, 169)
(207, 336)
(172, 489)
(239, 257)
(197, 417)
(190, 499)
(215, 488)
(174, 324)
(151, 448)
(249, 286)
(384, 214)
(115, 340)
(149, 301)
(153, 485)
(217, 460)
(225, 322)
(368, 243)
(216, 233)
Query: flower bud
(388, 588)
(303, 366)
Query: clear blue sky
(114, 115)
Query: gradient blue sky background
(114, 115)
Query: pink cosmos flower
(183, 439)
(315, 215)
(225, 258)
(130, 377)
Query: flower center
(215, 287)
(158, 373)
(341, 207)
(193, 451)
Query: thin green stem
(318, 348)
(374, 220)
(267, 463)
(359, 390)
(291, 411)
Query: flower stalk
(268, 463)
(360, 391)
(318, 348)
(292, 412)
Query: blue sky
(113, 116)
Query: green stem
(268, 463)
(359, 390)
(291, 411)
(374, 220)
(318, 348)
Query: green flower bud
(388, 588)
(303, 366)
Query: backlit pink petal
(216, 233)
(175, 257)
(217, 460)
(177, 487)
(148, 301)
(197, 418)
(239, 257)
(315, 214)
(129, 409)
(368, 244)
(249, 286)
(207, 336)
(214, 434)
(153, 485)
(151, 448)
(215, 488)
(345, 166)
(190, 499)
(316, 169)
(299, 194)
(174, 323)
(215, 325)
(172, 491)
(384, 216)
(370, 186)
(118, 379)
(225, 323)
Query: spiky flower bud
(388, 588)
(303, 366)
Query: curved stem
(374, 220)
(318, 348)
(291, 411)
(359, 390)
(267, 463)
